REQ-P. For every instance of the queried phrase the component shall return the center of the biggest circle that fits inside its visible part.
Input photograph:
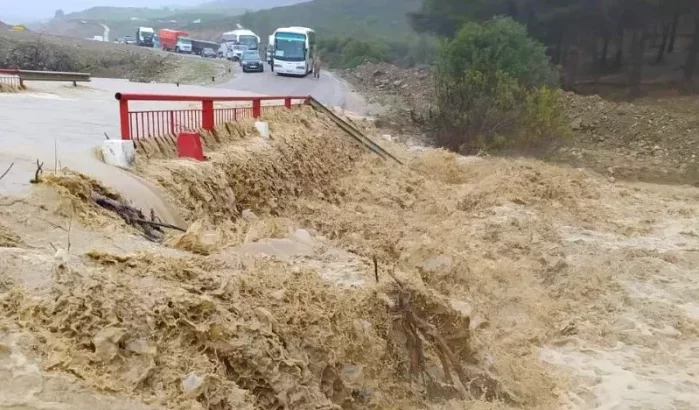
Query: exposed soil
(651, 139)
(500, 284)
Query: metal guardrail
(352, 131)
(10, 80)
(35, 75)
(136, 125)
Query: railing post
(124, 119)
(287, 102)
(256, 108)
(207, 115)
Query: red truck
(175, 40)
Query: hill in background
(383, 20)
(349, 31)
(124, 21)
(247, 5)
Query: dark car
(208, 53)
(251, 61)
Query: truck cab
(183, 45)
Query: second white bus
(294, 49)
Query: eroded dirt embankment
(500, 283)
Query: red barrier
(157, 123)
(10, 76)
(189, 146)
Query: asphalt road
(329, 89)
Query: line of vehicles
(289, 50)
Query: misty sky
(28, 10)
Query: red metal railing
(11, 77)
(155, 123)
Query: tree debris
(37, 174)
(6, 171)
(133, 217)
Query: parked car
(208, 53)
(251, 61)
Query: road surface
(60, 125)
(105, 35)
(329, 89)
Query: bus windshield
(248, 41)
(290, 47)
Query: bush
(38, 55)
(494, 91)
(349, 52)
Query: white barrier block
(262, 128)
(119, 153)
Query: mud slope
(501, 284)
(304, 153)
(550, 263)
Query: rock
(278, 294)
(192, 384)
(140, 346)
(106, 343)
(248, 215)
(576, 124)
(303, 236)
(441, 262)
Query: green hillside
(362, 19)
(349, 31)
(121, 13)
(121, 21)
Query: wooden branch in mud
(6, 171)
(159, 224)
(470, 385)
(132, 216)
(37, 174)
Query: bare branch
(6, 171)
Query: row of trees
(611, 34)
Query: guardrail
(140, 124)
(11, 80)
(35, 75)
(352, 131)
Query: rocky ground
(33, 51)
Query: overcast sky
(28, 10)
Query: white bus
(294, 49)
(236, 41)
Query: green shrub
(494, 91)
(349, 52)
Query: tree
(59, 14)
(690, 65)
(492, 89)
(445, 17)
(500, 45)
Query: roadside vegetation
(497, 80)
(31, 51)
(495, 89)
(598, 44)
